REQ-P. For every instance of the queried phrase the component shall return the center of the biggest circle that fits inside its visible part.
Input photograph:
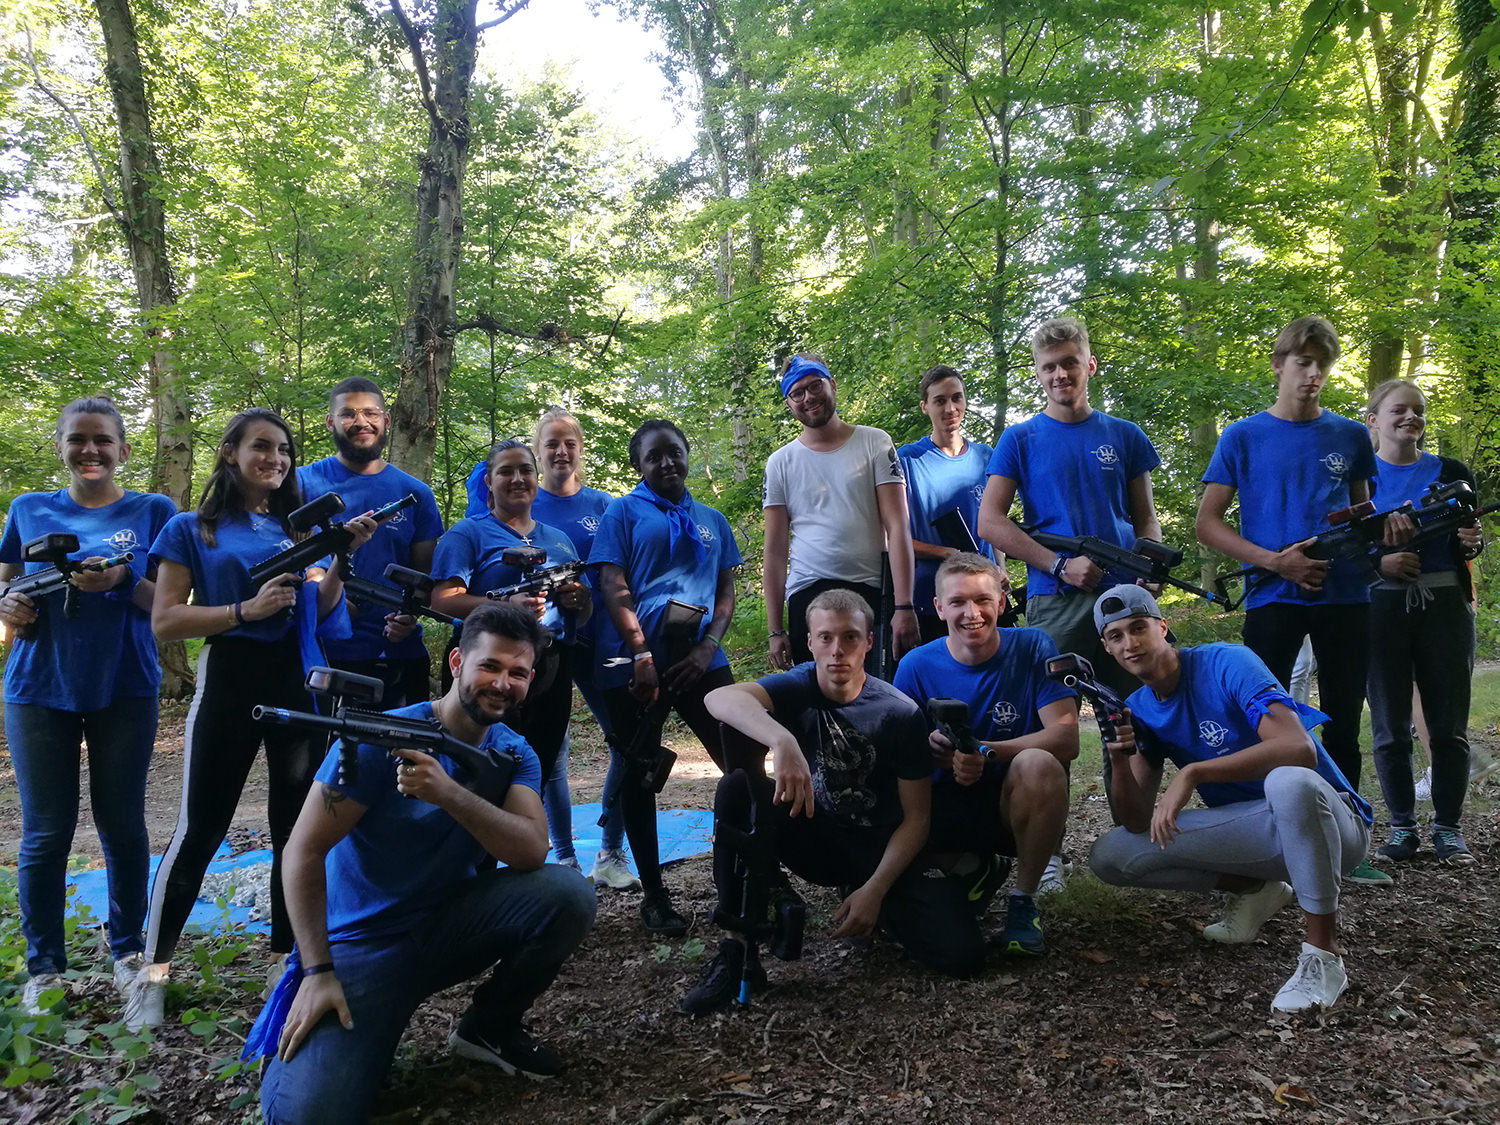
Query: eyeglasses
(798, 393)
(362, 415)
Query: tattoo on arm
(331, 797)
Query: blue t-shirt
(1005, 694)
(1074, 480)
(403, 856)
(1223, 693)
(391, 543)
(634, 536)
(221, 576)
(1290, 476)
(108, 651)
(578, 517)
(856, 751)
(1396, 484)
(935, 485)
(470, 551)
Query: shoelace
(1312, 976)
(1447, 837)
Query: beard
(358, 454)
(468, 701)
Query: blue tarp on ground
(682, 833)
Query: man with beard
(836, 496)
(386, 646)
(389, 906)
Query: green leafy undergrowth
(79, 1061)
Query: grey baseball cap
(1123, 601)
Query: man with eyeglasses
(387, 646)
(834, 500)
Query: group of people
(385, 884)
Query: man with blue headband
(835, 499)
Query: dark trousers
(796, 618)
(632, 725)
(1432, 646)
(924, 910)
(234, 674)
(406, 680)
(1341, 642)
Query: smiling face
(512, 481)
(1399, 420)
(560, 452)
(1063, 371)
(971, 605)
(358, 423)
(91, 446)
(664, 464)
(945, 406)
(492, 676)
(263, 457)
(1140, 646)
(811, 401)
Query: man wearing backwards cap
(837, 497)
(1279, 811)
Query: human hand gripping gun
(1147, 560)
(537, 581)
(1444, 509)
(55, 549)
(408, 595)
(485, 772)
(332, 539)
(1074, 671)
(950, 718)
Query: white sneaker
(1054, 876)
(612, 870)
(127, 968)
(570, 861)
(1248, 912)
(146, 998)
(1424, 786)
(1318, 982)
(31, 995)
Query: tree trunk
(142, 217)
(427, 334)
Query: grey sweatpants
(1303, 833)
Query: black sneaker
(982, 882)
(720, 983)
(659, 917)
(1450, 847)
(513, 1051)
(1402, 845)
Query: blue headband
(800, 368)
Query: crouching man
(1279, 811)
(388, 905)
(849, 808)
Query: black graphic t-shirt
(857, 751)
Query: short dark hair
(94, 404)
(355, 385)
(933, 375)
(650, 426)
(500, 619)
(840, 600)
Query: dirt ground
(1130, 1017)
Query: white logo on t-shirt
(705, 534)
(1336, 465)
(1212, 733)
(1107, 455)
(1004, 714)
(978, 491)
(589, 524)
(122, 541)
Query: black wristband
(238, 616)
(314, 970)
(899, 608)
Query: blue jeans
(557, 803)
(44, 748)
(529, 922)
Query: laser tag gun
(954, 532)
(1444, 509)
(485, 772)
(885, 620)
(408, 595)
(950, 717)
(55, 549)
(1073, 671)
(331, 539)
(537, 581)
(1015, 608)
(769, 911)
(648, 764)
(1147, 560)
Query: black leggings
(234, 674)
(635, 795)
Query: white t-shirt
(831, 508)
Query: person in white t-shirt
(835, 499)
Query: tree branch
(547, 334)
(418, 58)
(504, 15)
(88, 147)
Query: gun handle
(70, 600)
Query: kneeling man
(1011, 797)
(1279, 811)
(850, 805)
(389, 906)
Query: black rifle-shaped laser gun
(408, 594)
(332, 539)
(483, 771)
(1075, 672)
(950, 717)
(55, 549)
(1147, 559)
(1444, 509)
(537, 580)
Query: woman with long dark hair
(260, 644)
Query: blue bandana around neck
(679, 521)
(800, 368)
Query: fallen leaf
(733, 1078)
(1097, 957)
(1286, 1093)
